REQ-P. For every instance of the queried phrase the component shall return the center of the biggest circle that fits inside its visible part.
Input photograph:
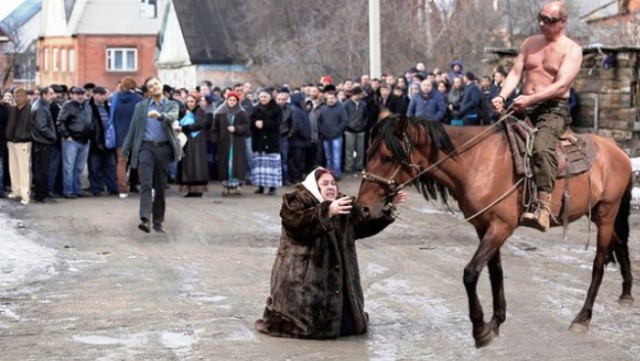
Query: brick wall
(91, 59)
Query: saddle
(575, 152)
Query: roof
(68, 7)
(22, 14)
(3, 36)
(206, 30)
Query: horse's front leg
(497, 289)
(489, 246)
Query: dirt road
(103, 290)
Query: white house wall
(184, 77)
(173, 50)
(108, 17)
(99, 17)
(53, 20)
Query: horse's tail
(621, 227)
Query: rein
(391, 182)
(408, 148)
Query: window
(72, 60)
(63, 60)
(55, 59)
(122, 59)
(148, 9)
(45, 59)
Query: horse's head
(401, 149)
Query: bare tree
(11, 50)
(298, 41)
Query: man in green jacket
(153, 145)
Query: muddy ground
(79, 281)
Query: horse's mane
(391, 131)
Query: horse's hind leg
(497, 289)
(605, 234)
(621, 251)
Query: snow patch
(22, 259)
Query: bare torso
(542, 62)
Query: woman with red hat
(229, 130)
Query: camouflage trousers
(551, 118)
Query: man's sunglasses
(548, 20)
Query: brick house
(98, 41)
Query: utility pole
(375, 63)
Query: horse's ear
(401, 124)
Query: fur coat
(315, 281)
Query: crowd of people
(236, 135)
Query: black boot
(272, 191)
(260, 190)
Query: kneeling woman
(315, 281)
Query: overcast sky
(8, 6)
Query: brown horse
(474, 165)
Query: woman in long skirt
(230, 128)
(265, 135)
(193, 171)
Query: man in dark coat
(300, 139)
(102, 161)
(332, 123)
(76, 126)
(354, 135)
(428, 103)
(471, 100)
(315, 281)
(44, 137)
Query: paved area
(79, 281)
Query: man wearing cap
(102, 161)
(19, 143)
(549, 62)
(76, 128)
(153, 145)
(471, 99)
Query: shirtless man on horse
(549, 62)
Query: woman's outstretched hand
(401, 197)
(340, 206)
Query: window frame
(110, 59)
(45, 58)
(63, 59)
(55, 55)
(72, 60)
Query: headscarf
(311, 182)
(226, 109)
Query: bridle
(405, 162)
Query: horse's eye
(387, 158)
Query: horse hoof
(579, 328)
(625, 300)
(486, 338)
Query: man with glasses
(550, 62)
